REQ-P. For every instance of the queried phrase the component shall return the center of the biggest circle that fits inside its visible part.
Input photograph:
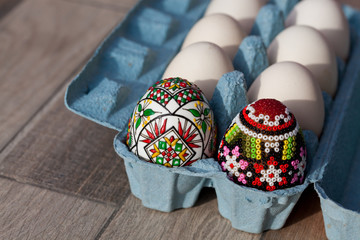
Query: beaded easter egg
(172, 124)
(264, 147)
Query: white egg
(202, 63)
(219, 29)
(305, 45)
(172, 124)
(243, 11)
(328, 18)
(293, 85)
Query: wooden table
(59, 175)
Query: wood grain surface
(42, 44)
(7, 5)
(60, 177)
(114, 5)
(28, 212)
(353, 3)
(202, 221)
(62, 151)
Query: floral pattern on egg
(172, 124)
(264, 147)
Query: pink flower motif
(226, 151)
(235, 151)
(243, 164)
(241, 178)
(302, 152)
(295, 178)
(295, 164)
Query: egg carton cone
(134, 56)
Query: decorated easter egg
(264, 147)
(172, 124)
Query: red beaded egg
(264, 147)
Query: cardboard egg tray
(135, 55)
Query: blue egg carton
(136, 54)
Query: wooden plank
(7, 5)
(305, 221)
(28, 212)
(60, 150)
(115, 5)
(204, 222)
(133, 221)
(353, 3)
(42, 42)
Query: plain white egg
(307, 46)
(328, 18)
(202, 63)
(244, 11)
(293, 85)
(219, 29)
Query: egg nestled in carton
(264, 147)
(172, 124)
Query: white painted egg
(293, 85)
(243, 11)
(307, 46)
(202, 63)
(219, 29)
(327, 17)
(172, 124)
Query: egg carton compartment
(175, 7)
(338, 186)
(248, 209)
(136, 54)
(130, 58)
(152, 26)
(163, 23)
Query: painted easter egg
(264, 147)
(172, 124)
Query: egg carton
(135, 55)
